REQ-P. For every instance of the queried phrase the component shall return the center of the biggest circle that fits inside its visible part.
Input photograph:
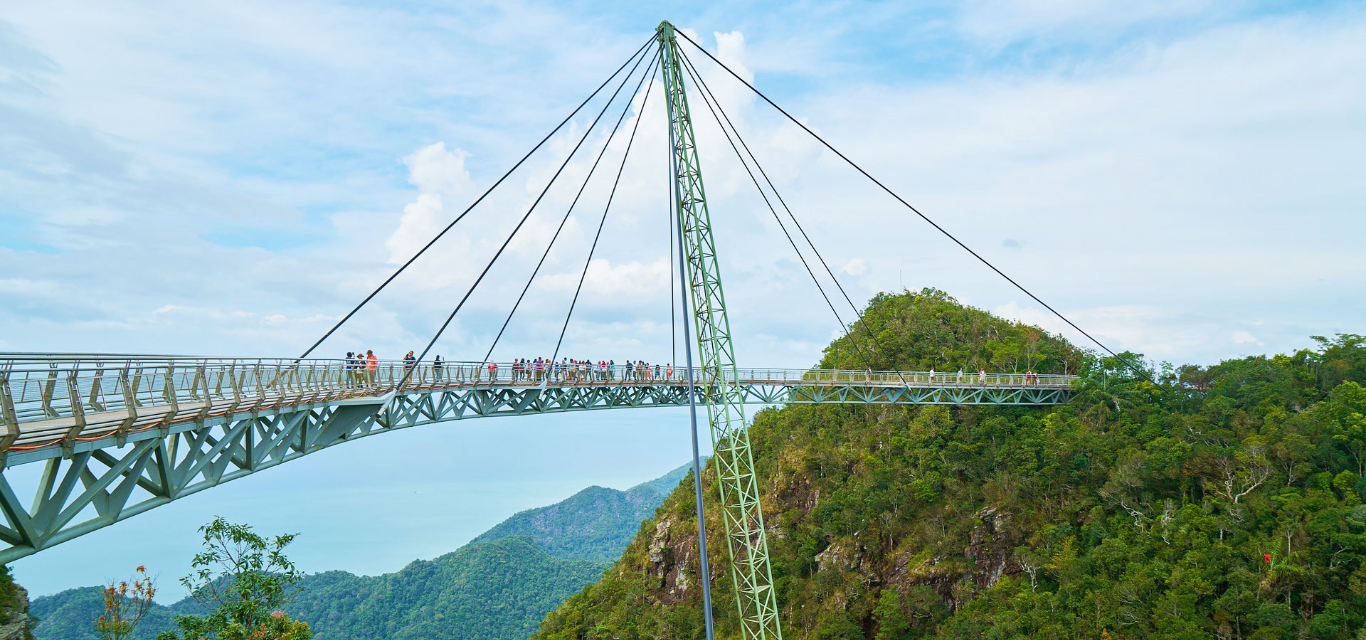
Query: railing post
(48, 389)
(137, 383)
(9, 421)
(95, 391)
(300, 388)
(194, 383)
(202, 375)
(235, 386)
(218, 386)
(260, 388)
(73, 392)
(130, 405)
(168, 393)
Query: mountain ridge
(499, 585)
(1185, 502)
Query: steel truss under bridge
(112, 437)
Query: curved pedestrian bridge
(77, 402)
(120, 434)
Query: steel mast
(739, 490)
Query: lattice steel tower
(744, 520)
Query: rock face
(671, 553)
(989, 548)
(14, 622)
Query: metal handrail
(65, 398)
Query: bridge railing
(62, 398)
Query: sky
(1181, 179)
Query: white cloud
(855, 267)
(422, 219)
(1245, 337)
(433, 169)
(999, 22)
(617, 284)
(1150, 174)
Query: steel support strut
(739, 490)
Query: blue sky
(1181, 178)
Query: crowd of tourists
(362, 369)
(1030, 378)
(569, 370)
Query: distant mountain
(499, 586)
(594, 524)
(498, 589)
(68, 615)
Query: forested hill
(593, 524)
(1190, 502)
(497, 587)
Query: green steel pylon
(744, 520)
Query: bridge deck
(66, 400)
(115, 436)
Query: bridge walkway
(61, 401)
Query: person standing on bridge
(409, 361)
(960, 375)
(372, 366)
(436, 369)
(982, 376)
(346, 369)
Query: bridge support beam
(738, 487)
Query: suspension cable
(877, 345)
(460, 217)
(624, 110)
(603, 221)
(897, 197)
(408, 374)
(687, 67)
(774, 189)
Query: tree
(891, 621)
(125, 603)
(243, 579)
(1346, 412)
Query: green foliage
(126, 603)
(889, 617)
(67, 616)
(1143, 509)
(497, 587)
(243, 579)
(495, 590)
(930, 330)
(593, 524)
